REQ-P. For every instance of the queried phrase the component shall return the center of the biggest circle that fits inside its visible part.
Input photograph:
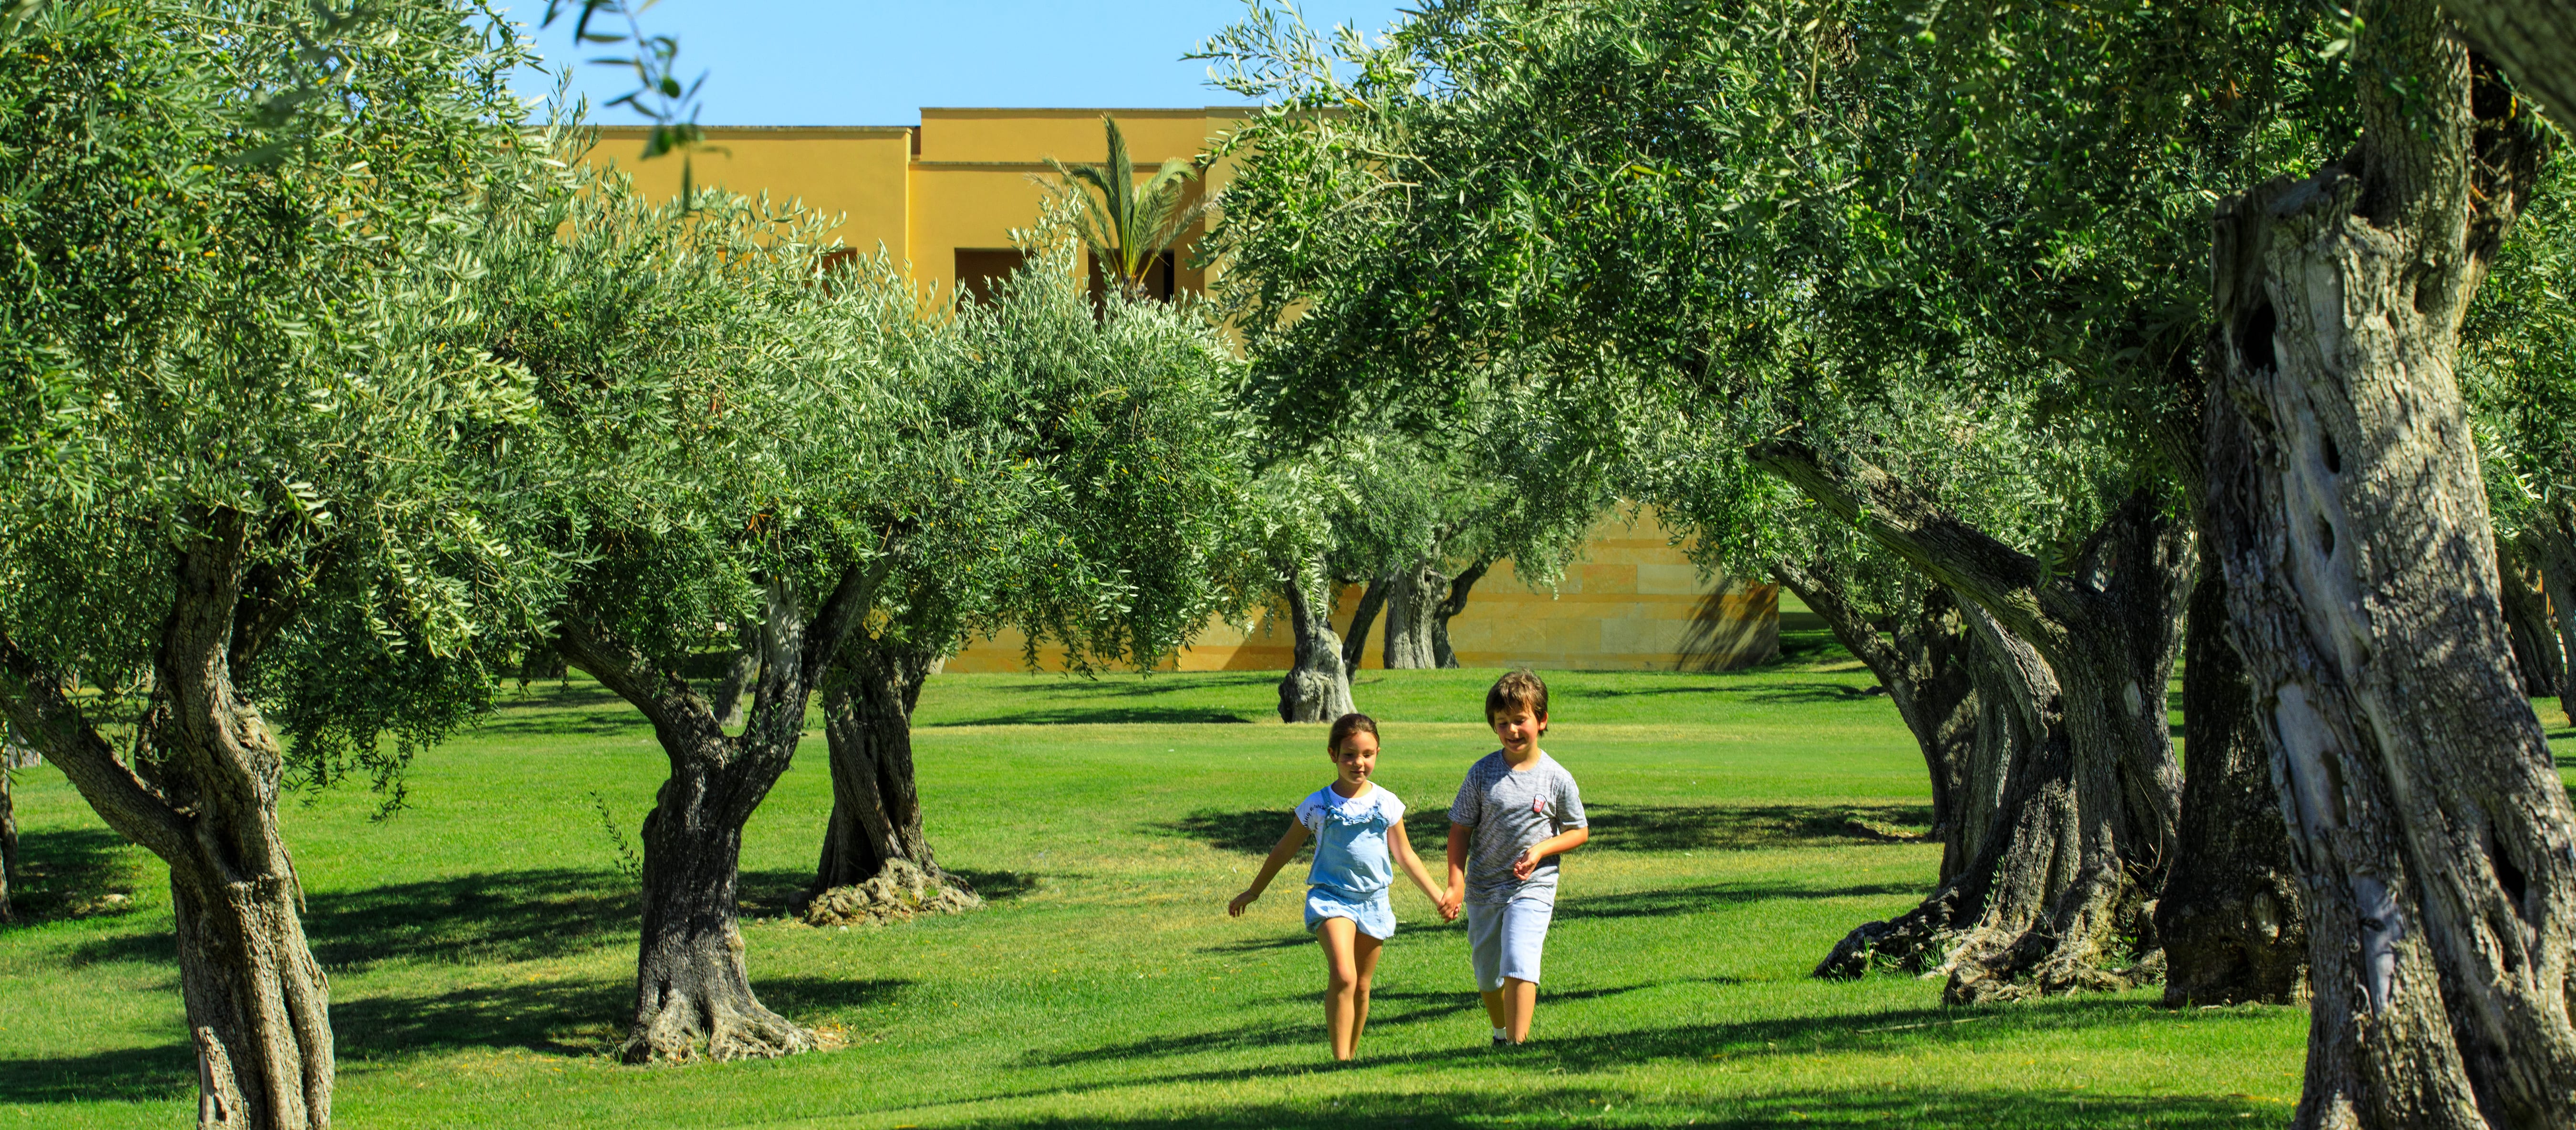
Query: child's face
(1356, 757)
(1519, 727)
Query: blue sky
(871, 62)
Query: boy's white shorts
(1504, 940)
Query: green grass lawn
(481, 944)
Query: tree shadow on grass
(1641, 827)
(1926, 1031)
(1080, 701)
(75, 873)
(553, 1017)
(1098, 715)
(1587, 1104)
(1710, 896)
(482, 918)
(164, 1073)
(1251, 832)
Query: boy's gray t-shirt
(1505, 812)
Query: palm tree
(1128, 227)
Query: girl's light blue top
(1351, 859)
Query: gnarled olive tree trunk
(1442, 655)
(258, 1006)
(2233, 919)
(2538, 660)
(876, 807)
(2351, 520)
(691, 989)
(1372, 599)
(1921, 655)
(1412, 607)
(8, 818)
(2014, 782)
(1317, 688)
(2107, 636)
(2553, 541)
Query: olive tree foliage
(1428, 518)
(1110, 519)
(243, 432)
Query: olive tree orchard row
(2038, 345)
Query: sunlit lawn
(481, 943)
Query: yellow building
(944, 198)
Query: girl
(1353, 822)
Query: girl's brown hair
(1347, 725)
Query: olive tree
(703, 435)
(242, 434)
(1107, 516)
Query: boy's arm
(1557, 844)
(1412, 865)
(1289, 842)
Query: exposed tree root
(899, 892)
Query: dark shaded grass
(1579, 1105)
(1929, 1032)
(70, 872)
(1623, 827)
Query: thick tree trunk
(257, 1004)
(2534, 40)
(2538, 661)
(691, 988)
(1372, 599)
(876, 808)
(692, 994)
(1921, 656)
(2351, 519)
(2555, 547)
(2018, 794)
(1412, 605)
(2233, 921)
(739, 674)
(8, 821)
(1317, 688)
(1442, 655)
(2107, 636)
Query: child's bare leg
(1341, 984)
(1365, 950)
(1519, 999)
(1494, 1008)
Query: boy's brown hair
(1347, 725)
(1521, 687)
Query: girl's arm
(1412, 865)
(1458, 834)
(1557, 844)
(1279, 856)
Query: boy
(1516, 812)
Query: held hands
(1448, 902)
(1235, 909)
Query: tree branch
(2008, 583)
(35, 701)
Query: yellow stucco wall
(1634, 603)
(862, 173)
(962, 179)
